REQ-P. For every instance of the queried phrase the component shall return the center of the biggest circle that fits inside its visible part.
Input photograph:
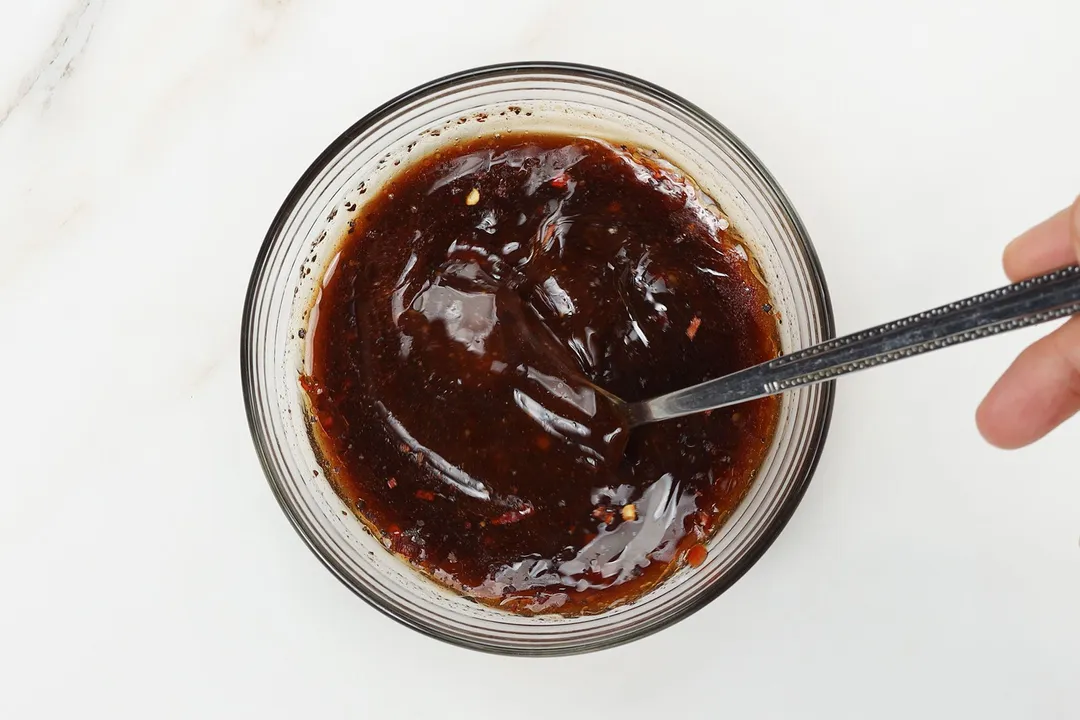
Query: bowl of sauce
(441, 306)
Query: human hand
(1041, 389)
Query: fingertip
(1043, 248)
(1076, 227)
(1012, 260)
(993, 430)
(1039, 391)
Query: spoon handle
(1038, 300)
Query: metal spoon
(1039, 300)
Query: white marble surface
(146, 569)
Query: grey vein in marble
(58, 61)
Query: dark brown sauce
(477, 299)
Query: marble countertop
(147, 570)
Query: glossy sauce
(477, 304)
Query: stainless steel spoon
(1030, 302)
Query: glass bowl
(300, 247)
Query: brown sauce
(476, 304)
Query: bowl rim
(816, 278)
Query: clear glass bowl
(300, 247)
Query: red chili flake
(391, 483)
(694, 325)
(543, 442)
(604, 514)
(696, 555)
(311, 386)
(425, 495)
(702, 523)
(513, 516)
(404, 545)
(559, 181)
(615, 206)
(549, 233)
